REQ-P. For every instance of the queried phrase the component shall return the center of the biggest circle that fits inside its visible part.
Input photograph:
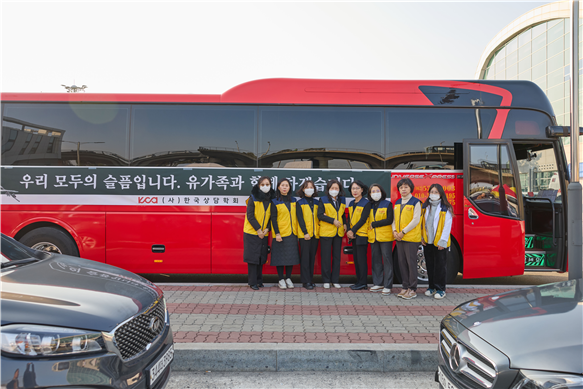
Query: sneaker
(282, 284)
(386, 292)
(410, 294)
(430, 292)
(289, 283)
(337, 286)
(326, 286)
(402, 292)
(376, 288)
(439, 295)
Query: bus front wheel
(52, 240)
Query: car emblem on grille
(454, 358)
(156, 325)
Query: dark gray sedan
(68, 322)
(530, 338)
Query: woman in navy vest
(307, 213)
(256, 230)
(284, 247)
(332, 228)
(359, 210)
(380, 237)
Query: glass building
(536, 47)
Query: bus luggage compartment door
(185, 236)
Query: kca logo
(147, 200)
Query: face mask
(334, 193)
(265, 188)
(376, 196)
(309, 192)
(434, 197)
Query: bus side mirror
(560, 131)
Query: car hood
(538, 328)
(73, 292)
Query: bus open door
(493, 215)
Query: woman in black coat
(284, 246)
(256, 230)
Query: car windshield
(15, 251)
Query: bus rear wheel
(52, 240)
(453, 263)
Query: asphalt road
(338, 380)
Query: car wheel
(50, 239)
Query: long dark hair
(383, 193)
(443, 199)
(362, 186)
(278, 194)
(301, 193)
(258, 193)
(340, 189)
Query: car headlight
(40, 341)
(548, 380)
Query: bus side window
(487, 163)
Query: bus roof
(523, 94)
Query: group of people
(372, 219)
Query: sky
(208, 48)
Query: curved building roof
(556, 10)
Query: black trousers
(308, 249)
(288, 271)
(330, 250)
(436, 261)
(255, 273)
(359, 252)
(407, 252)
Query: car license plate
(444, 381)
(156, 370)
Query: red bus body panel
(87, 228)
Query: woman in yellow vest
(359, 212)
(256, 229)
(436, 227)
(332, 217)
(407, 233)
(380, 237)
(284, 246)
(307, 214)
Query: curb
(285, 357)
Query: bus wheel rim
(47, 246)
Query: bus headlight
(40, 341)
(532, 379)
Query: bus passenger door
(493, 212)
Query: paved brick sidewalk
(237, 314)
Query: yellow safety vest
(355, 211)
(440, 225)
(404, 215)
(310, 218)
(287, 221)
(261, 215)
(384, 233)
(329, 230)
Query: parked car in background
(71, 322)
(531, 338)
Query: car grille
(473, 369)
(132, 337)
